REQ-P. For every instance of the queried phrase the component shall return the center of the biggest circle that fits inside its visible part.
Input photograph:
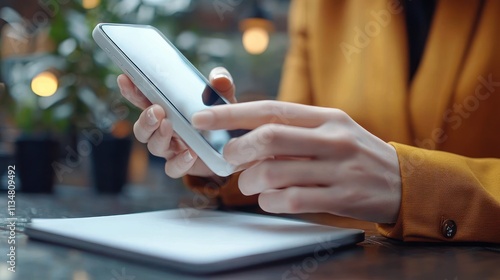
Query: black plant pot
(34, 158)
(110, 160)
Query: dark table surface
(375, 258)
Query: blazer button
(449, 228)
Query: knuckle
(339, 116)
(270, 107)
(269, 135)
(339, 139)
(267, 105)
(345, 138)
(269, 175)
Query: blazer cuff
(442, 198)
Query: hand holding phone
(168, 79)
(161, 140)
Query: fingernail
(152, 120)
(187, 157)
(221, 72)
(221, 75)
(203, 119)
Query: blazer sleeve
(446, 197)
(295, 85)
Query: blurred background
(63, 122)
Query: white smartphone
(167, 78)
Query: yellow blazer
(444, 124)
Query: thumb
(221, 80)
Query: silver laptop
(193, 240)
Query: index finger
(251, 115)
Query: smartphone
(167, 78)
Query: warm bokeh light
(90, 4)
(255, 40)
(44, 84)
(256, 34)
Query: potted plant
(41, 113)
(87, 100)
(56, 88)
(100, 113)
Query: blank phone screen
(171, 73)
